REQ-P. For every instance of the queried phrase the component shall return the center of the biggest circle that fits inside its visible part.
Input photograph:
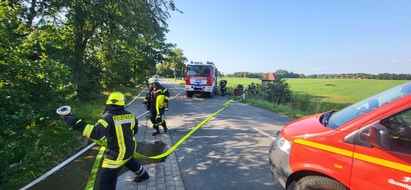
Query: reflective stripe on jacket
(119, 127)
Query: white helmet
(152, 80)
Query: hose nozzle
(63, 110)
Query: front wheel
(211, 94)
(317, 183)
(189, 94)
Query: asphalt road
(231, 150)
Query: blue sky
(300, 36)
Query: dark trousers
(108, 179)
(153, 114)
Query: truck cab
(201, 79)
(364, 146)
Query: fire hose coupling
(63, 110)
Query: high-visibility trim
(324, 147)
(358, 156)
(382, 162)
(120, 142)
(108, 163)
(124, 122)
(159, 103)
(119, 120)
(124, 117)
(87, 130)
(78, 121)
(132, 124)
(103, 122)
(159, 123)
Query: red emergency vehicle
(201, 79)
(364, 146)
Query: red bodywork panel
(321, 149)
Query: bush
(30, 92)
(277, 92)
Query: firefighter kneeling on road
(119, 127)
(157, 102)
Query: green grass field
(330, 90)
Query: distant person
(119, 127)
(223, 87)
(156, 101)
(239, 90)
(248, 89)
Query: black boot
(142, 178)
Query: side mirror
(378, 136)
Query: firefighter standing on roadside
(157, 102)
(119, 127)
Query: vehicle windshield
(198, 70)
(349, 113)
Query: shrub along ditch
(43, 145)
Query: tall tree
(112, 39)
(53, 50)
(175, 60)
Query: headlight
(283, 144)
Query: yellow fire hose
(169, 151)
(103, 144)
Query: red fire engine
(201, 79)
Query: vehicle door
(383, 163)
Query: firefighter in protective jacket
(157, 102)
(119, 127)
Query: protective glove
(158, 119)
(73, 121)
(69, 119)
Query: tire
(211, 94)
(237, 91)
(189, 94)
(314, 182)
